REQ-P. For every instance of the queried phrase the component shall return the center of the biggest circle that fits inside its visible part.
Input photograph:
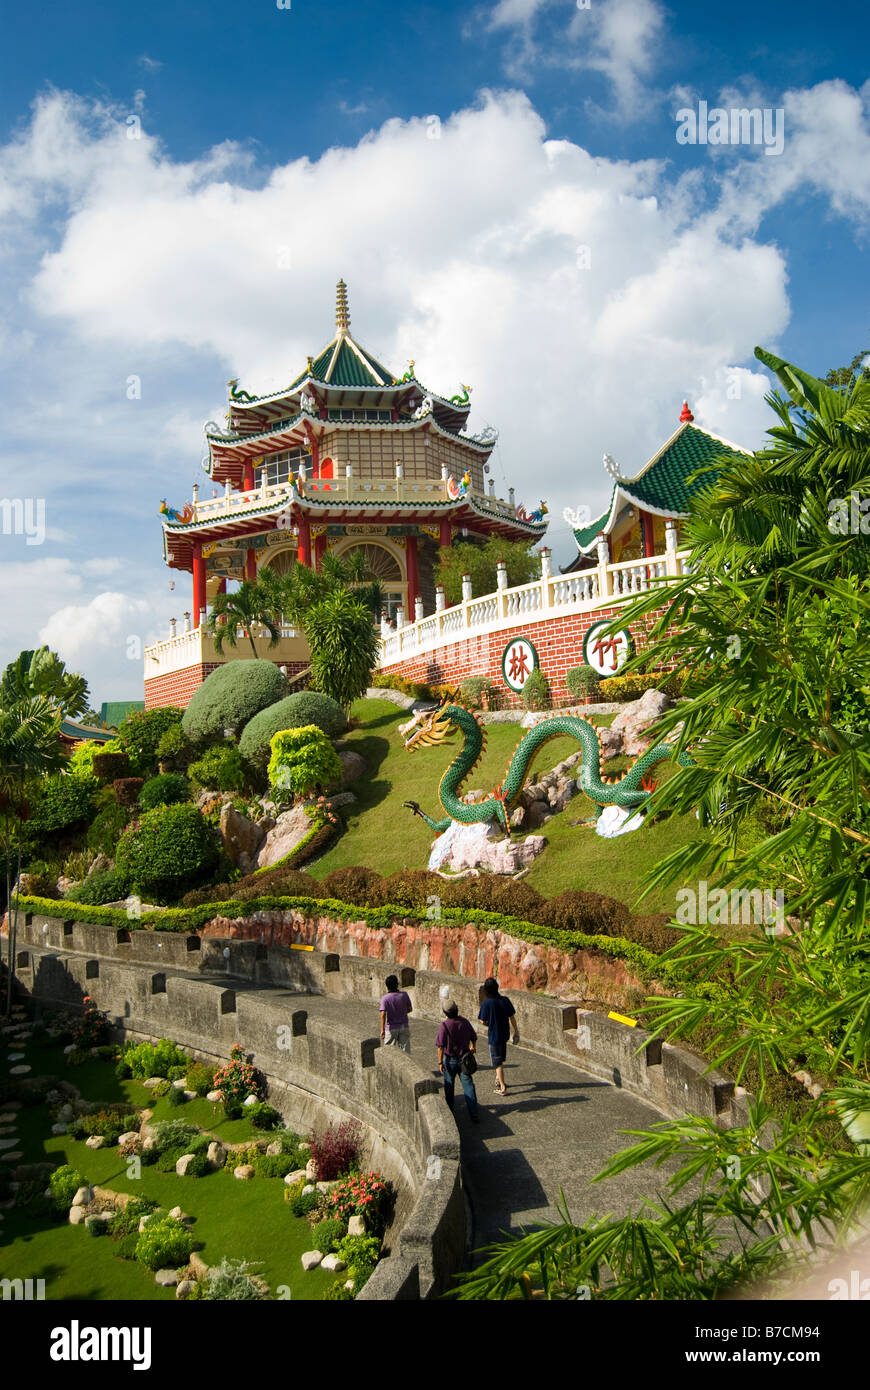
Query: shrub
(336, 1149)
(263, 1116)
(337, 1293)
(301, 760)
(535, 693)
(652, 932)
(164, 1242)
(109, 766)
(126, 1222)
(77, 864)
(174, 1134)
(161, 1088)
(95, 1227)
(140, 734)
(234, 1280)
(592, 913)
(109, 1123)
(65, 1183)
(220, 767)
(92, 1028)
(127, 790)
(296, 711)
(230, 697)
(303, 1202)
(581, 681)
(164, 790)
(127, 1245)
(368, 1195)
(153, 1059)
(200, 1078)
(81, 760)
(356, 884)
(171, 845)
(63, 802)
(360, 1255)
(412, 887)
(327, 1234)
(198, 1167)
(632, 687)
(174, 747)
(106, 828)
(473, 688)
(492, 893)
(175, 1096)
(238, 1079)
(77, 1056)
(110, 886)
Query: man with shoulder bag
(456, 1042)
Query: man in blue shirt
(499, 1015)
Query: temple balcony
(196, 647)
(344, 490)
(551, 596)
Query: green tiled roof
(71, 729)
(584, 535)
(351, 368)
(113, 711)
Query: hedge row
(191, 919)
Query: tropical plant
(344, 646)
(481, 562)
(41, 674)
(254, 605)
(169, 848)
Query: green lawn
(243, 1220)
(385, 836)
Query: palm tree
(42, 672)
(302, 588)
(256, 603)
(29, 746)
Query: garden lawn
(383, 835)
(239, 1219)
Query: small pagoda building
(347, 457)
(643, 518)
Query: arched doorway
(384, 562)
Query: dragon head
(427, 727)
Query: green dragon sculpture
(432, 727)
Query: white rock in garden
(483, 846)
(274, 1149)
(349, 1285)
(19, 1070)
(216, 1154)
(179, 1083)
(311, 1259)
(189, 1095)
(304, 1144)
(250, 1100)
(615, 821)
(356, 1226)
(76, 1215)
(69, 1048)
(15, 1056)
(96, 1141)
(183, 1164)
(83, 1196)
(244, 1171)
(290, 828)
(296, 1176)
(311, 1169)
(13, 1157)
(333, 1263)
(634, 720)
(184, 1288)
(143, 1222)
(309, 1187)
(325, 1186)
(152, 1081)
(214, 1096)
(58, 1129)
(8, 1143)
(66, 1112)
(128, 1137)
(166, 1277)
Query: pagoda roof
(666, 484)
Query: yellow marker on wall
(621, 1018)
(294, 946)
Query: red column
(319, 550)
(646, 525)
(251, 566)
(198, 582)
(248, 483)
(444, 532)
(304, 549)
(413, 579)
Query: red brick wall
(558, 642)
(177, 687)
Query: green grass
(385, 836)
(242, 1220)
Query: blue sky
(313, 131)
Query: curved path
(556, 1128)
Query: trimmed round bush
(139, 734)
(294, 712)
(301, 760)
(167, 789)
(584, 912)
(164, 1242)
(356, 884)
(106, 828)
(108, 887)
(109, 766)
(492, 893)
(327, 1234)
(65, 1183)
(171, 848)
(220, 768)
(230, 697)
(63, 802)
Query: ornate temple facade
(347, 457)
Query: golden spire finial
(342, 313)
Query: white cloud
(149, 64)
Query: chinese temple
(347, 457)
(645, 511)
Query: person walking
(395, 1007)
(456, 1044)
(499, 1015)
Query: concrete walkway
(556, 1128)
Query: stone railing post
(546, 575)
(400, 617)
(187, 622)
(466, 598)
(605, 579)
(194, 497)
(418, 609)
(171, 627)
(671, 562)
(501, 579)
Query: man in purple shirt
(395, 1007)
(456, 1037)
